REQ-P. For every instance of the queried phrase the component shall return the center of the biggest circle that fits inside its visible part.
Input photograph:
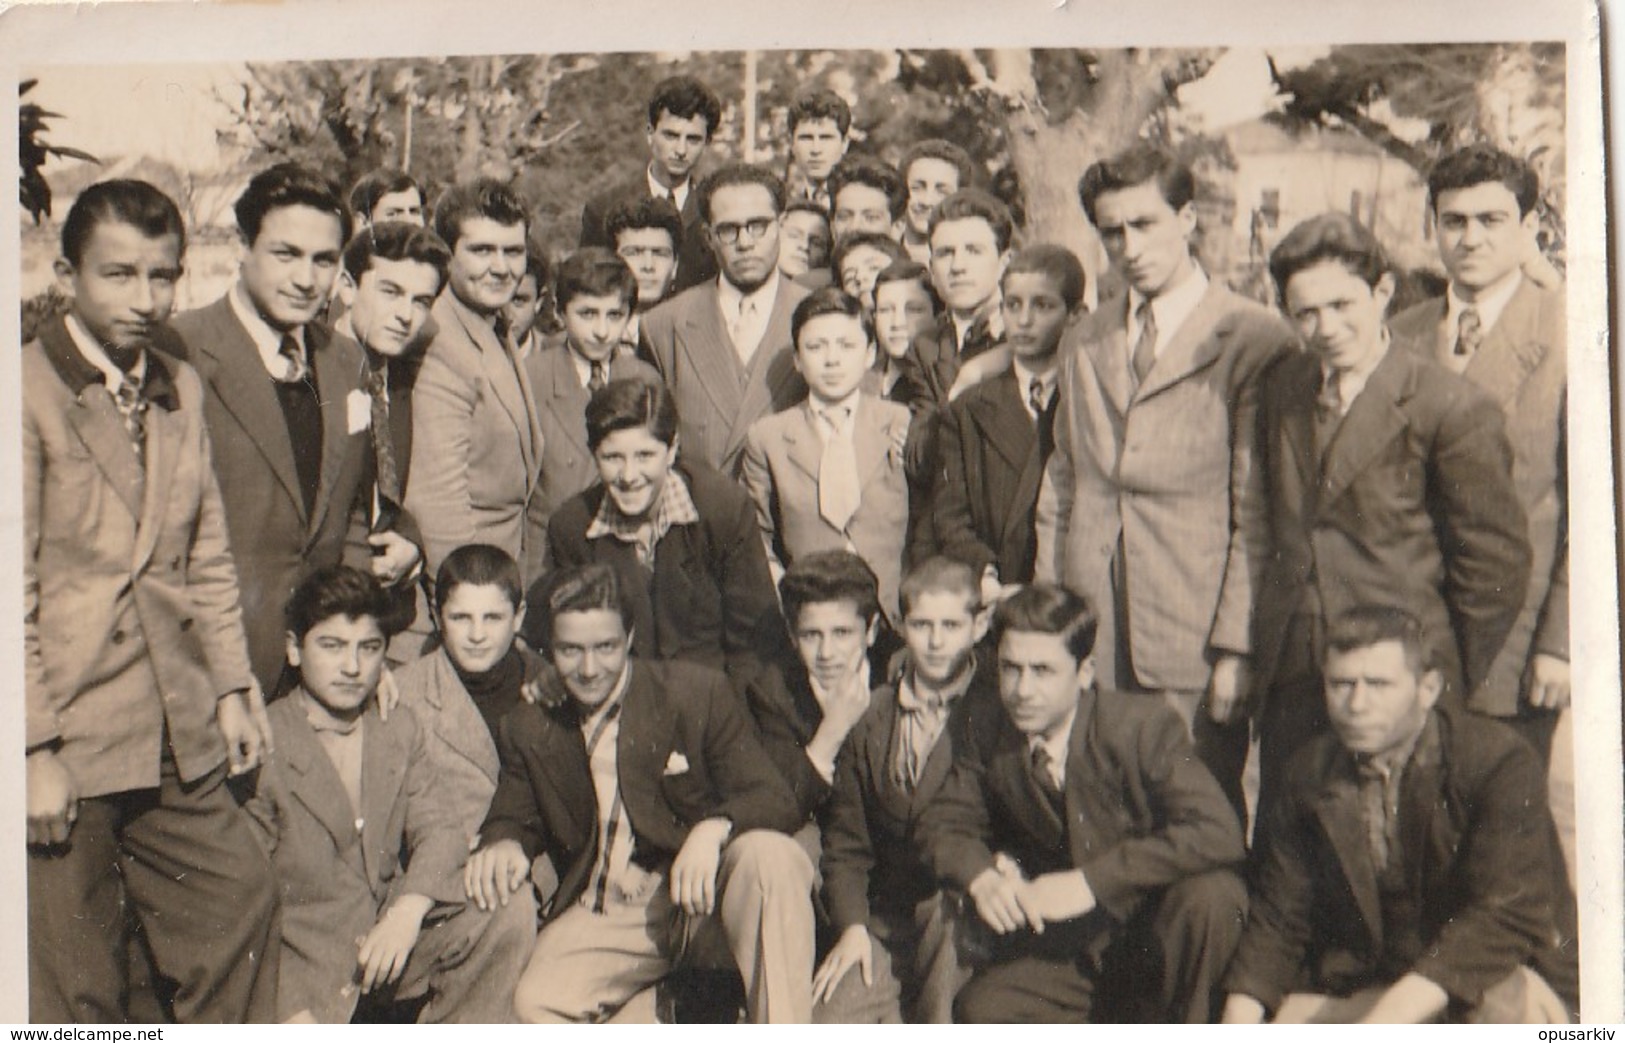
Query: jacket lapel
(1338, 809)
(801, 442)
(1011, 777)
(1371, 423)
(872, 438)
(165, 430)
(383, 769)
(461, 721)
(245, 390)
(767, 372)
(1298, 392)
(569, 772)
(1198, 341)
(1001, 416)
(1107, 352)
(335, 385)
(1513, 348)
(648, 731)
(569, 397)
(710, 351)
(101, 428)
(314, 782)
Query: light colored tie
(838, 492)
(294, 356)
(743, 329)
(132, 408)
(1469, 333)
(1145, 346)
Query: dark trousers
(1163, 965)
(182, 860)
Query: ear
(519, 616)
(872, 633)
(1086, 672)
(980, 623)
(346, 288)
(1383, 291)
(65, 272)
(1187, 220)
(292, 644)
(1429, 687)
(872, 355)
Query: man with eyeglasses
(723, 347)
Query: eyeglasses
(728, 233)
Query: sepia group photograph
(809, 514)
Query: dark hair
(910, 271)
(1329, 237)
(1056, 262)
(580, 588)
(740, 174)
(628, 403)
(947, 151)
(872, 240)
(1137, 166)
(482, 197)
(537, 268)
(826, 300)
(685, 97)
(820, 104)
(285, 185)
(829, 575)
(478, 565)
(594, 271)
(335, 590)
(869, 171)
(375, 185)
(1048, 608)
(124, 201)
(973, 203)
(1367, 625)
(1481, 164)
(807, 206)
(647, 212)
(941, 575)
(395, 241)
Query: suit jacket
(927, 371)
(717, 397)
(695, 261)
(1141, 811)
(568, 466)
(275, 542)
(545, 799)
(332, 878)
(131, 626)
(710, 597)
(1165, 471)
(1480, 873)
(477, 446)
(782, 454)
(989, 469)
(1413, 505)
(1522, 365)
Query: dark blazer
(273, 539)
(695, 261)
(927, 371)
(545, 798)
(1141, 811)
(710, 598)
(989, 468)
(873, 850)
(1413, 505)
(1522, 365)
(1481, 873)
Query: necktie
(132, 408)
(1041, 764)
(617, 850)
(978, 338)
(1329, 402)
(838, 492)
(1469, 333)
(383, 445)
(1145, 346)
(598, 377)
(294, 357)
(1036, 396)
(743, 329)
(1374, 805)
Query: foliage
(34, 150)
(40, 309)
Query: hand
(1548, 681)
(992, 589)
(393, 557)
(854, 948)
(388, 695)
(387, 947)
(254, 699)
(244, 744)
(989, 363)
(1228, 686)
(694, 870)
(1242, 1009)
(995, 896)
(53, 799)
(1054, 897)
(495, 872)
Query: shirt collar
(1492, 301)
(1024, 379)
(730, 296)
(1353, 381)
(674, 507)
(1056, 746)
(93, 353)
(1172, 306)
(583, 368)
(265, 337)
(321, 721)
(149, 373)
(844, 412)
(679, 192)
(910, 699)
(991, 310)
(590, 720)
(1391, 763)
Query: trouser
(1521, 998)
(587, 965)
(468, 964)
(182, 859)
(916, 971)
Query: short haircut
(594, 271)
(335, 590)
(866, 240)
(807, 206)
(1057, 262)
(376, 184)
(740, 174)
(820, 104)
(826, 300)
(869, 171)
(971, 204)
(581, 588)
(685, 97)
(1481, 164)
(478, 565)
(1329, 237)
(395, 241)
(285, 185)
(537, 268)
(647, 212)
(910, 271)
(1367, 625)
(1048, 608)
(123, 201)
(627, 403)
(947, 151)
(1137, 165)
(826, 576)
(941, 575)
(482, 197)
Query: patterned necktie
(838, 492)
(598, 377)
(1469, 333)
(294, 358)
(383, 445)
(132, 408)
(1145, 346)
(1036, 396)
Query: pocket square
(358, 411)
(676, 764)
